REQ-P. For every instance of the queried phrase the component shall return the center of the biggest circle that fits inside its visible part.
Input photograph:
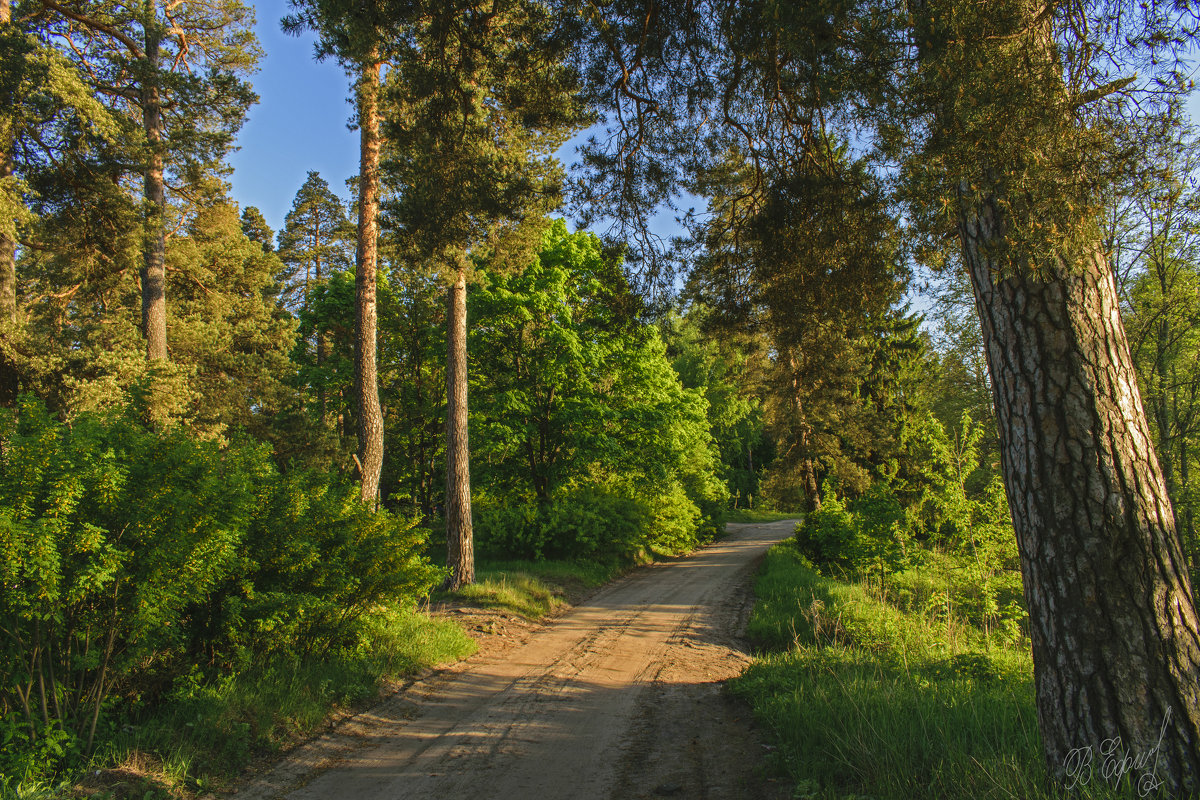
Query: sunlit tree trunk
(8, 252)
(154, 302)
(366, 384)
(1116, 642)
(460, 548)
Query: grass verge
(865, 698)
(748, 515)
(207, 731)
(532, 589)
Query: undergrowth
(207, 730)
(871, 692)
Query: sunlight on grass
(532, 589)
(866, 698)
(747, 515)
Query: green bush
(109, 534)
(132, 559)
(829, 536)
(586, 524)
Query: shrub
(131, 559)
(585, 524)
(829, 536)
(109, 533)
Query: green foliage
(586, 445)
(109, 535)
(869, 535)
(866, 696)
(316, 563)
(126, 554)
(589, 524)
(724, 371)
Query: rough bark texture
(154, 302)
(366, 385)
(8, 259)
(460, 554)
(1116, 642)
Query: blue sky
(298, 125)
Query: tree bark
(9, 380)
(1189, 522)
(1116, 641)
(153, 274)
(460, 545)
(366, 383)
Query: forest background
(197, 491)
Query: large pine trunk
(154, 249)
(366, 385)
(1116, 643)
(460, 547)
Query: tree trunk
(812, 491)
(154, 303)
(460, 545)
(1189, 522)
(322, 400)
(9, 383)
(1116, 642)
(366, 385)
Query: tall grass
(870, 694)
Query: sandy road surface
(618, 698)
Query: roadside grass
(532, 589)
(865, 698)
(208, 730)
(753, 515)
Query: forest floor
(621, 696)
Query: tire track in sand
(620, 697)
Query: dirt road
(618, 698)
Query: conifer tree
(48, 118)
(256, 229)
(314, 243)
(477, 106)
(174, 70)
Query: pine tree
(478, 104)
(256, 229)
(357, 35)
(314, 243)
(48, 118)
(172, 69)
